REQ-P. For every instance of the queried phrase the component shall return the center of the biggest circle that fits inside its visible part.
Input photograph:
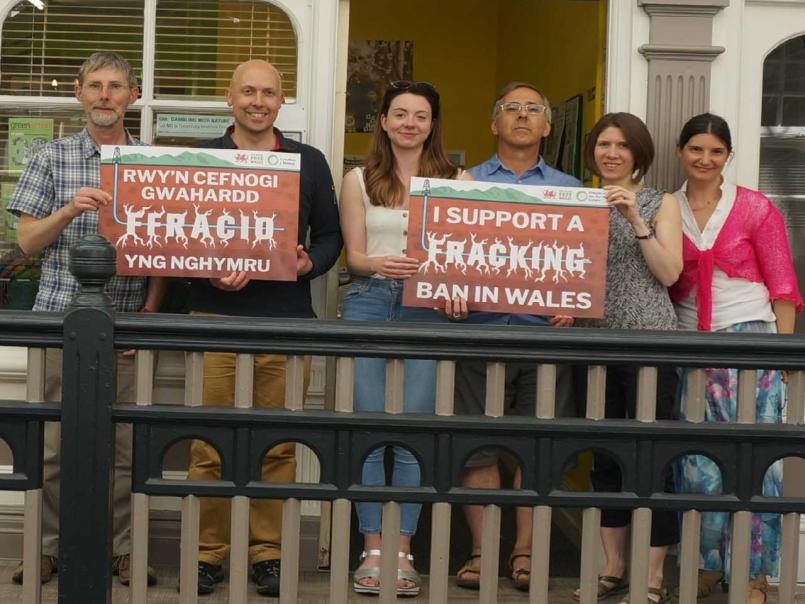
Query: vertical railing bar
(32, 517)
(590, 536)
(289, 577)
(292, 507)
(441, 512)
(742, 521)
(339, 567)
(646, 411)
(445, 386)
(190, 509)
(596, 391)
(395, 374)
(439, 552)
(689, 561)
(591, 517)
(390, 529)
(789, 555)
(692, 519)
(490, 548)
(344, 384)
(541, 523)
(341, 508)
(490, 527)
(495, 388)
(295, 383)
(546, 391)
(789, 558)
(188, 568)
(144, 395)
(239, 529)
(540, 554)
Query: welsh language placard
(195, 212)
(508, 248)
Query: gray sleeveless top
(634, 298)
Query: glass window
(42, 49)
(782, 144)
(199, 43)
(21, 132)
(784, 85)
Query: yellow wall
(455, 48)
(469, 48)
(555, 44)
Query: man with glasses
(521, 119)
(57, 200)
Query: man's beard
(104, 118)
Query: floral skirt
(698, 474)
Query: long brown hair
(383, 186)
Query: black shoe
(266, 575)
(208, 576)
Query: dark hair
(706, 123)
(637, 136)
(514, 86)
(383, 186)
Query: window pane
(21, 131)
(43, 49)
(795, 77)
(772, 77)
(200, 42)
(768, 114)
(795, 49)
(793, 111)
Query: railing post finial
(92, 263)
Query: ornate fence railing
(91, 331)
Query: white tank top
(386, 228)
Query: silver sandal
(411, 576)
(367, 573)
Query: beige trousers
(121, 502)
(279, 464)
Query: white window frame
(310, 112)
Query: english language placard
(508, 248)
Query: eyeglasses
(513, 107)
(406, 85)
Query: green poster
(25, 134)
(8, 222)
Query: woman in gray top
(645, 257)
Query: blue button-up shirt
(50, 180)
(492, 170)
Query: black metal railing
(90, 332)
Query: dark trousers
(621, 403)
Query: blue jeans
(371, 299)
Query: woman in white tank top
(374, 220)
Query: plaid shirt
(51, 178)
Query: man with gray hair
(57, 200)
(521, 119)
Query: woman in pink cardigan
(738, 276)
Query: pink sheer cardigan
(751, 245)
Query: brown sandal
(760, 584)
(661, 593)
(608, 586)
(708, 579)
(474, 581)
(521, 576)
